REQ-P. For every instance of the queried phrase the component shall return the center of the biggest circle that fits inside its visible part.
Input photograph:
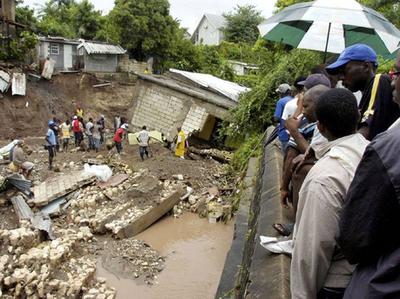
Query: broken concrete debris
(81, 210)
(59, 186)
(18, 84)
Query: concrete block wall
(160, 109)
(195, 119)
(132, 66)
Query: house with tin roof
(99, 57)
(209, 31)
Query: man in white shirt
(143, 139)
(318, 268)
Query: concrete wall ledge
(259, 274)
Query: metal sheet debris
(53, 208)
(48, 69)
(21, 208)
(4, 81)
(19, 182)
(18, 86)
(229, 89)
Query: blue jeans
(96, 143)
(143, 151)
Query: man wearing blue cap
(356, 67)
(51, 142)
(283, 91)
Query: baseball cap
(51, 123)
(124, 126)
(314, 80)
(357, 52)
(283, 88)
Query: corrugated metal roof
(97, 48)
(59, 39)
(229, 89)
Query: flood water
(195, 251)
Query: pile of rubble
(33, 268)
(52, 249)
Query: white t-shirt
(290, 109)
(89, 126)
(143, 138)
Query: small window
(54, 49)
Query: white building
(210, 30)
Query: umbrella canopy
(331, 26)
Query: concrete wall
(259, 274)
(132, 66)
(164, 109)
(100, 63)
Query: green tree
(70, 19)
(242, 24)
(85, 20)
(255, 109)
(26, 16)
(143, 27)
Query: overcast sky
(189, 12)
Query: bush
(255, 109)
(251, 147)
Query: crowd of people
(339, 132)
(95, 133)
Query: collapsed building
(197, 103)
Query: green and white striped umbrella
(331, 26)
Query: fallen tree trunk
(218, 155)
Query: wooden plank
(143, 222)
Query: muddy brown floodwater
(195, 252)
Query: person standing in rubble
(102, 123)
(143, 139)
(51, 143)
(89, 133)
(65, 128)
(97, 135)
(75, 129)
(117, 123)
(79, 112)
(119, 135)
(180, 144)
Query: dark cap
(314, 80)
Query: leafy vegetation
(242, 24)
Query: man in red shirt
(118, 137)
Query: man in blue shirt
(283, 91)
(51, 142)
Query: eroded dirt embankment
(27, 116)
